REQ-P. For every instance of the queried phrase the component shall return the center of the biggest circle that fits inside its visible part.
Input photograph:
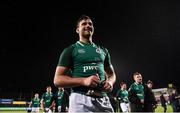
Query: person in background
(150, 102)
(163, 102)
(122, 96)
(174, 99)
(61, 97)
(47, 101)
(35, 104)
(136, 93)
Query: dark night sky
(141, 36)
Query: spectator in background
(163, 102)
(150, 102)
(174, 99)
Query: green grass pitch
(158, 109)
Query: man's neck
(85, 40)
(138, 82)
(48, 92)
(61, 90)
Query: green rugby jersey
(85, 60)
(47, 97)
(139, 89)
(60, 95)
(123, 95)
(35, 102)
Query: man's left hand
(107, 86)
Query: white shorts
(124, 107)
(82, 103)
(35, 109)
(48, 110)
(59, 109)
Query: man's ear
(77, 30)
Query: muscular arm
(63, 80)
(111, 78)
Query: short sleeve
(65, 58)
(107, 61)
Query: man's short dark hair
(122, 83)
(136, 73)
(48, 86)
(83, 17)
(149, 82)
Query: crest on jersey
(81, 51)
(98, 50)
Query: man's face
(149, 85)
(124, 86)
(138, 78)
(60, 88)
(174, 91)
(85, 28)
(37, 95)
(48, 89)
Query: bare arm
(42, 104)
(30, 104)
(63, 80)
(111, 78)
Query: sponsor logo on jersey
(81, 51)
(85, 68)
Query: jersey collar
(83, 44)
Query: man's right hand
(142, 101)
(42, 109)
(91, 81)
